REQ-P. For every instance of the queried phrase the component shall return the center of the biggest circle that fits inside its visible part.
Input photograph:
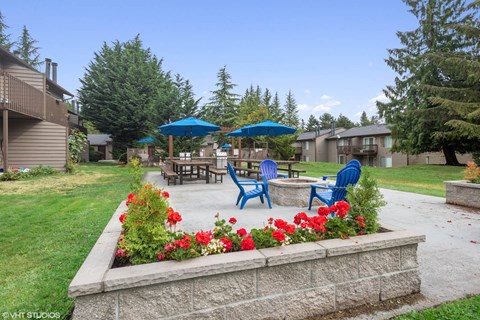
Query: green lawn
(49, 224)
(419, 179)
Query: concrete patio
(449, 259)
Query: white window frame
(389, 144)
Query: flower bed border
(463, 193)
(295, 281)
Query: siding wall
(31, 77)
(33, 143)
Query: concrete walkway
(449, 259)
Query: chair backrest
(234, 176)
(346, 176)
(354, 163)
(269, 169)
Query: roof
(8, 56)
(375, 130)
(99, 139)
(311, 135)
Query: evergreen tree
(267, 99)
(325, 121)
(344, 122)
(26, 49)
(365, 121)
(249, 104)
(275, 109)
(312, 123)
(222, 107)
(414, 122)
(291, 118)
(4, 36)
(121, 92)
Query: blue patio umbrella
(147, 140)
(188, 127)
(238, 132)
(267, 128)
(226, 146)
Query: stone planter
(463, 193)
(291, 282)
(293, 192)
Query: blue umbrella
(267, 128)
(147, 140)
(238, 132)
(226, 146)
(188, 127)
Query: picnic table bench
(215, 171)
(244, 171)
(169, 174)
(294, 171)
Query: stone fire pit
(293, 192)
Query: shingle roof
(374, 130)
(99, 139)
(312, 134)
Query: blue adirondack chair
(269, 170)
(353, 163)
(331, 194)
(260, 190)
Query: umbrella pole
(170, 150)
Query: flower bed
(284, 281)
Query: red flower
(280, 224)
(242, 232)
(173, 217)
(299, 217)
(342, 208)
(247, 244)
(324, 211)
(227, 243)
(166, 194)
(270, 220)
(278, 235)
(202, 237)
(160, 256)
(122, 217)
(184, 243)
(361, 221)
(303, 225)
(317, 223)
(333, 208)
(290, 228)
(131, 198)
(120, 253)
(232, 220)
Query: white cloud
(358, 114)
(326, 105)
(321, 107)
(304, 107)
(325, 97)
(380, 97)
(307, 91)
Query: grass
(425, 179)
(49, 224)
(466, 309)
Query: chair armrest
(321, 187)
(247, 180)
(250, 183)
(282, 175)
(325, 177)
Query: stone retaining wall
(291, 282)
(463, 193)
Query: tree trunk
(450, 156)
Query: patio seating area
(446, 251)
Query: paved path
(449, 259)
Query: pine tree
(312, 123)
(26, 49)
(275, 109)
(267, 99)
(122, 91)
(222, 107)
(291, 118)
(4, 36)
(415, 125)
(325, 121)
(344, 122)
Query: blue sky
(330, 54)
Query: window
(369, 141)
(387, 142)
(341, 142)
(341, 159)
(306, 158)
(306, 145)
(386, 162)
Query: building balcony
(358, 150)
(23, 99)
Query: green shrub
(10, 175)
(365, 200)
(41, 171)
(94, 155)
(136, 172)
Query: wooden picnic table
(288, 163)
(179, 167)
